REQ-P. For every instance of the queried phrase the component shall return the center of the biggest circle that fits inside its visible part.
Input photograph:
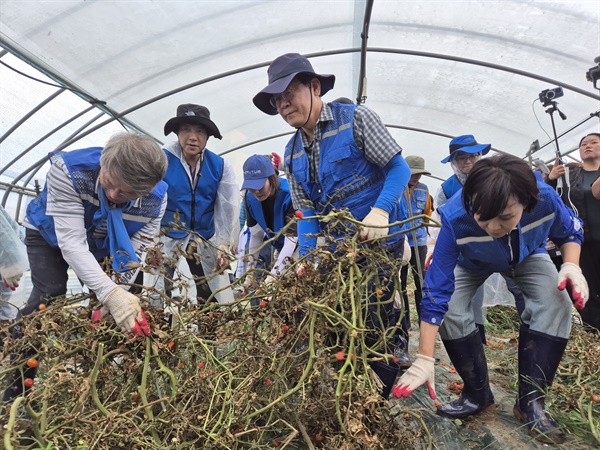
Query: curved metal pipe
(31, 113)
(329, 53)
(361, 95)
(43, 138)
(316, 55)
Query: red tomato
(32, 362)
(299, 214)
(28, 382)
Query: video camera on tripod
(547, 96)
(593, 74)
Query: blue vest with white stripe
(418, 201)
(347, 180)
(84, 167)
(482, 253)
(195, 205)
(282, 203)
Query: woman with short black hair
(500, 224)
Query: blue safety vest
(282, 203)
(418, 201)
(482, 253)
(451, 186)
(347, 180)
(195, 205)
(84, 168)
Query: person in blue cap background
(341, 156)
(203, 202)
(500, 224)
(268, 209)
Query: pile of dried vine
(291, 372)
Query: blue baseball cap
(257, 169)
(466, 144)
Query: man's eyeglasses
(468, 157)
(286, 95)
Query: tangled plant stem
(201, 383)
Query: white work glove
(570, 274)
(250, 280)
(12, 282)
(125, 308)
(268, 280)
(421, 372)
(376, 218)
(224, 256)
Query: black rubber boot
(481, 329)
(387, 373)
(539, 356)
(468, 358)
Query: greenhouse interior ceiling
(72, 73)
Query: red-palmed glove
(12, 282)
(421, 372)
(125, 308)
(276, 160)
(570, 275)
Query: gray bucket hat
(281, 72)
(417, 165)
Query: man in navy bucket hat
(341, 157)
(281, 72)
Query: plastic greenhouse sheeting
(434, 70)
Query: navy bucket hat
(466, 144)
(257, 169)
(281, 72)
